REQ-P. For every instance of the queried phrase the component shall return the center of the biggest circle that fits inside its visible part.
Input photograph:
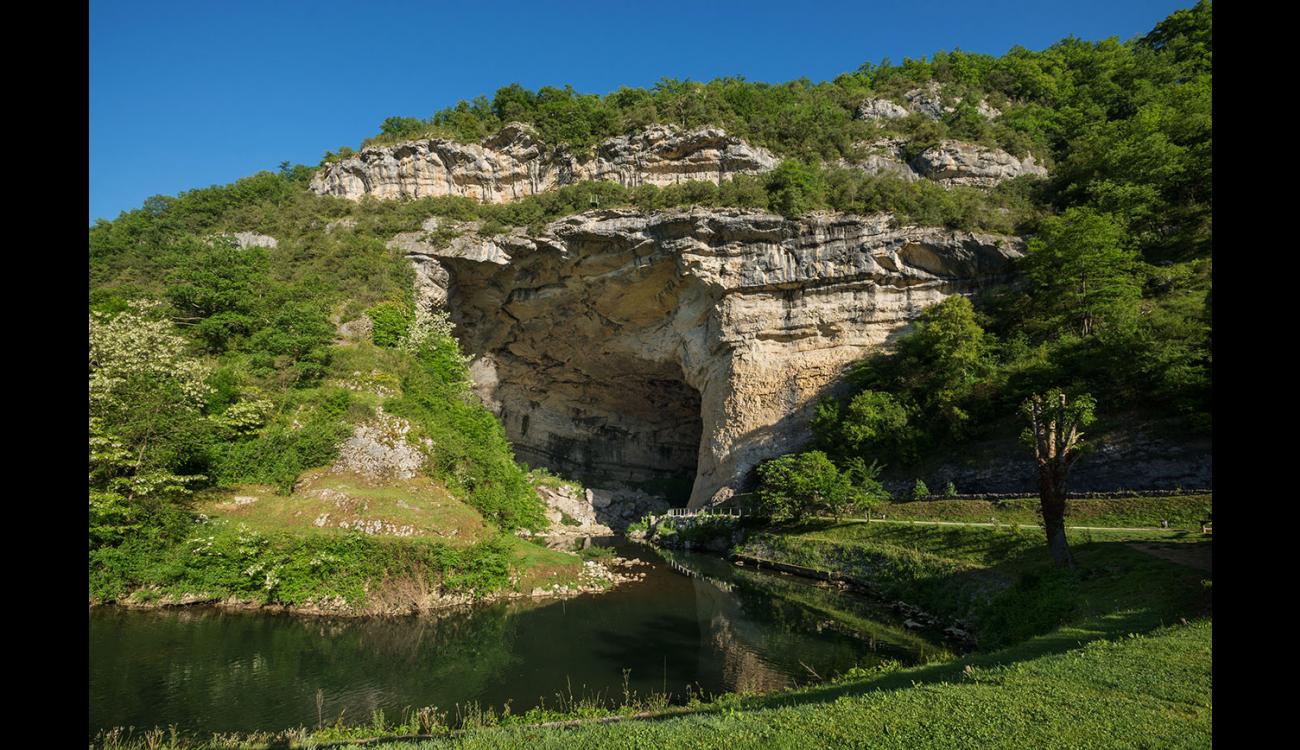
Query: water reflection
(695, 621)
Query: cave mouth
(636, 428)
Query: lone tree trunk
(1051, 493)
(1054, 424)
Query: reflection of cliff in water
(730, 633)
(767, 628)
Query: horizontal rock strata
(513, 164)
(679, 349)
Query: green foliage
(390, 321)
(795, 188)
(303, 434)
(797, 485)
(1059, 417)
(923, 394)
(920, 491)
(1182, 512)
(470, 452)
(147, 429)
(1083, 277)
(219, 560)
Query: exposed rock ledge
(512, 164)
(650, 349)
(927, 101)
(947, 163)
(957, 163)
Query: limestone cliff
(513, 164)
(636, 349)
(931, 100)
(948, 163)
(958, 163)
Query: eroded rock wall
(513, 164)
(643, 349)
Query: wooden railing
(688, 513)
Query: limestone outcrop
(378, 450)
(514, 164)
(675, 350)
(958, 163)
(948, 163)
(883, 156)
(879, 109)
(245, 240)
(597, 511)
(928, 100)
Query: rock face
(1137, 457)
(958, 163)
(597, 511)
(927, 100)
(245, 240)
(949, 163)
(879, 109)
(513, 164)
(884, 156)
(677, 350)
(378, 450)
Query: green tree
(147, 432)
(875, 423)
(1084, 278)
(794, 188)
(796, 485)
(1055, 434)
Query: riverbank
(340, 546)
(595, 577)
(1129, 623)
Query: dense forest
(212, 365)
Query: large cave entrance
(637, 427)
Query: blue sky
(190, 94)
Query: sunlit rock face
(514, 164)
(956, 163)
(682, 348)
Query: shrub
(919, 490)
(391, 321)
(797, 485)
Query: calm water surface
(695, 620)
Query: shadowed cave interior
(638, 427)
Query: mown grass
(1181, 511)
(1001, 580)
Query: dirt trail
(1197, 555)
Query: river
(694, 624)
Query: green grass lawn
(1149, 691)
(1181, 511)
